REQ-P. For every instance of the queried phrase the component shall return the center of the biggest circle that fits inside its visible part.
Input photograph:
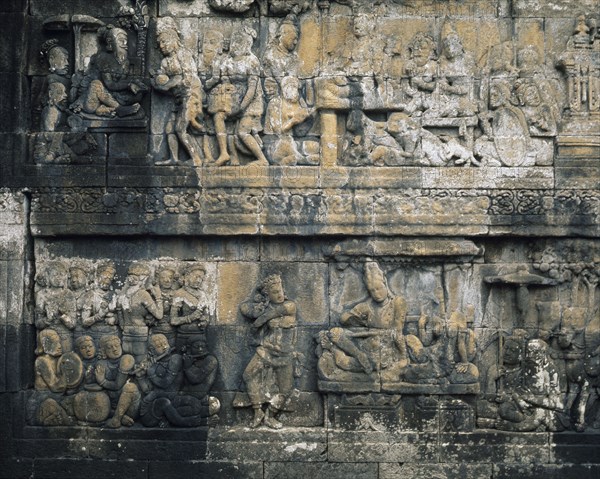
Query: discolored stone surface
(256, 238)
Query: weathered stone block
(424, 471)
(298, 470)
(286, 445)
(365, 446)
(204, 470)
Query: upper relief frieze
(309, 85)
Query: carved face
(58, 60)
(198, 347)
(377, 289)
(536, 352)
(421, 52)
(213, 43)
(195, 278)
(361, 27)
(159, 344)
(275, 292)
(530, 96)
(117, 40)
(290, 89)
(51, 343)
(271, 88)
(134, 278)
(112, 349)
(497, 97)
(168, 42)
(512, 352)
(289, 36)
(77, 279)
(165, 278)
(105, 278)
(452, 47)
(57, 277)
(87, 350)
(241, 44)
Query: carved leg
(345, 344)
(270, 420)
(259, 415)
(221, 139)
(254, 147)
(130, 396)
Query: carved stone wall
(264, 238)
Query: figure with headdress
(139, 305)
(106, 88)
(370, 341)
(236, 94)
(178, 76)
(269, 376)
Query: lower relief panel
(425, 336)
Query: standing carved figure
(58, 86)
(189, 308)
(55, 305)
(269, 376)
(167, 282)
(98, 305)
(138, 306)
(178, 76)
(238, 83)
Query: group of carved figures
(140, 354)
(113, 357)
(226, 103)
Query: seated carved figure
(534, 396)
(106, 89)
(56, 374)
(461, 347)
(370, 339)
(164, 404)
(112, 373)
(91, 404)
(283, 114)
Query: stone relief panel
(114, 352)
(311, 84)
(394, 335)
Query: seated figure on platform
(106, 88)
(283, 114)
(462, 347)
(370, 340)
